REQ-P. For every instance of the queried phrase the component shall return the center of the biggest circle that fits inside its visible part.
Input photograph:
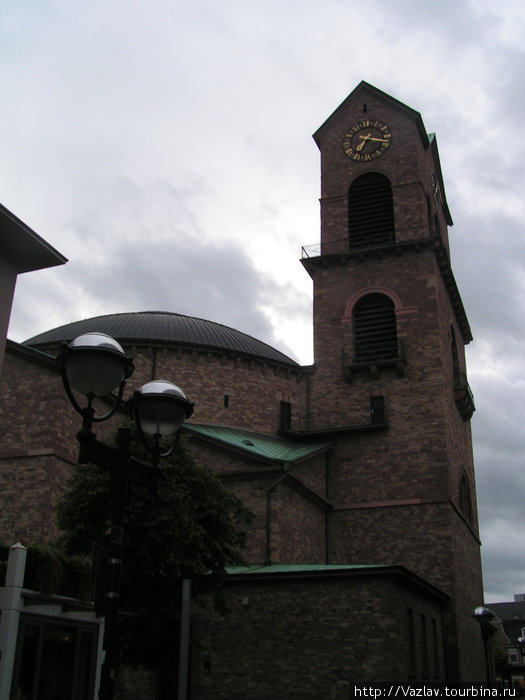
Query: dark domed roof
(164, 328)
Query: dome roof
(164, 328)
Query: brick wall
(255, 388)
(37, 449)
(294, 524)
(312, 638)
(39, 425)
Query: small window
(513, 656)
(465, 498)
(226, 401)
(411, 645)
(424, 645)
(377, 410)
(285, 415)
(435, 649)
(455, 357)
(375, 329)
(435, 230)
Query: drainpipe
(326, 515)
(154, 364)
(286, 467)
(308, 393)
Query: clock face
(367, 140)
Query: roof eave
(23, 247)
(363, 85)
(251, 451)
(284, 572)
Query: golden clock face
(367, 140)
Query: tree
(188, 527)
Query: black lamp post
(94, 365)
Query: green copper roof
(262, 446)
(299, 568)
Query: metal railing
(344, 245)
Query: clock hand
(369, 138)
(364, 139)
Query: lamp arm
(152, 445)
(168, 452)
(117, 403)
(70, 394)
(88, 412)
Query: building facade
(510, 655)
(364, 561)
(21, 250)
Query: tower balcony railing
(342, 246)
(375, 362)
(310, 251)
(463, 395)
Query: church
(363, 564)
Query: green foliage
(188, 527)
(50, 570)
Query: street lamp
(94, 365)
(160, 408)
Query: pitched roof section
(299, 568)
(24, 248)
(364, 86)
(508, 611)
(296, 572)
(165, 328)
(258, 445)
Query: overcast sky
(165, 148)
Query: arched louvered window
(465, 498)
(375, 330)
(370, 211)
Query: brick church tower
(390, 377)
